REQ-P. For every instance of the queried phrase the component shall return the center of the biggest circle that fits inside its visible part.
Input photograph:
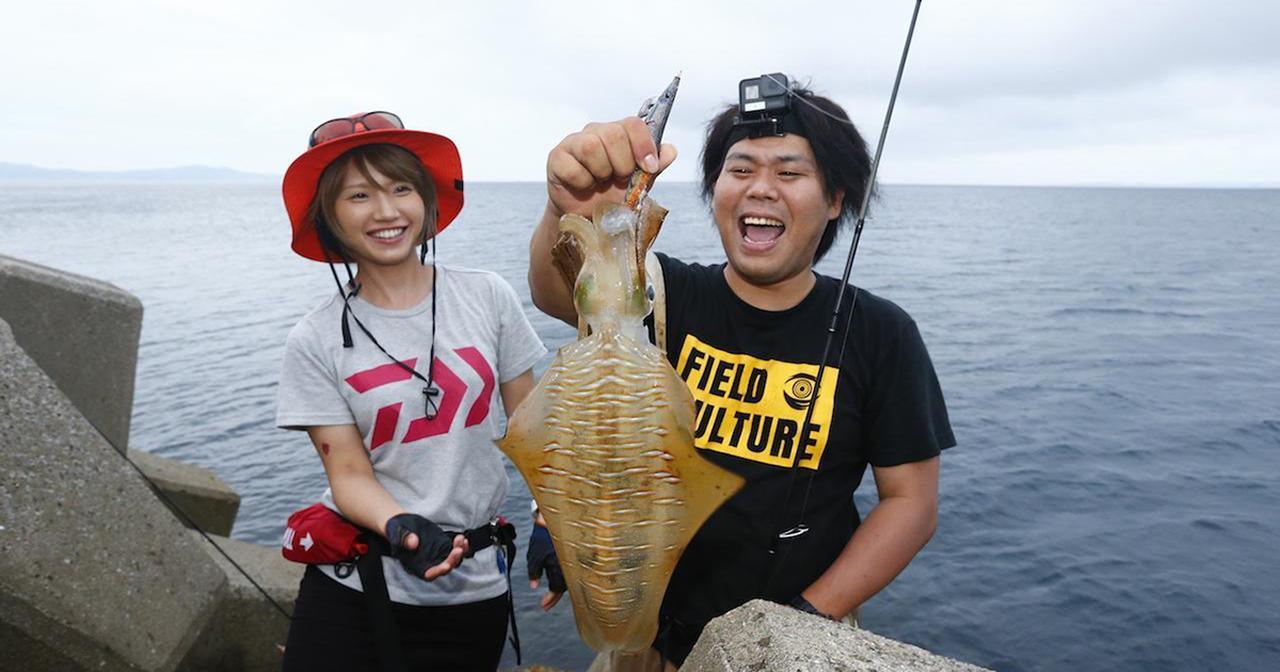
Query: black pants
(331, 631)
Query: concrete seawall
(83, 333)
(95, 573)
(762, 635)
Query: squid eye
(650, 292)
(584, 290)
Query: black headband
(759, 127)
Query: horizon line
(249, 177)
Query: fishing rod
(799, 529)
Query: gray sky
(996, 92)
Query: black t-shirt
(752, 374)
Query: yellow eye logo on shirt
(754, 408)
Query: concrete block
(246, 629)
(95, 573)
(762, 635)
(83, 333)
(199, 492)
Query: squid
(604, 440)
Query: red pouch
(317, 535)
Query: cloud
(150, 84)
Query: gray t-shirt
(446, 469)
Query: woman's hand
(450, 563)
(423, 548)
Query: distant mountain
(24, 172)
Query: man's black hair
(839, 149)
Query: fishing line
(195, 526)
(799, 529)
(797, 95)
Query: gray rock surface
(201, 495)
(762, 635)
(243, 634)
(83, 333)
(95, 573)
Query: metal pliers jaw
(655, 111)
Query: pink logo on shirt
(382, 375)
(452, 390)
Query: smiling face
(771, 208)
(379, 219)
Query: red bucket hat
(437, 153)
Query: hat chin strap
(428, 235)
(346, 299)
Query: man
(747, 337)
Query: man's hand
(888, 538)
(541, 557)
(588, 167)
(594, 164)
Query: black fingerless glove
(434, 544)
(801, 604)
(541, 557)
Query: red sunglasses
(343, 126)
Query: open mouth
(388, 234)
(761, 229)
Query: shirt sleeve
(908, 417)
(519, 347)
(308, 395)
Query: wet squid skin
(605, 445)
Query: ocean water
(1110, 359)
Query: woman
(393, 379)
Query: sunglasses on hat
(344, 126)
